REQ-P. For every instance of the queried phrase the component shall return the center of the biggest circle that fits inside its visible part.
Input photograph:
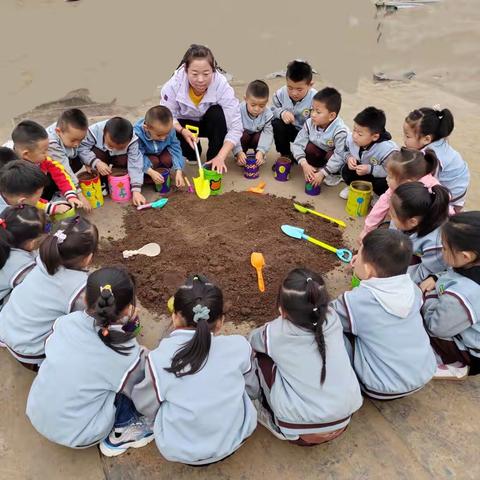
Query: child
(368, 149)
(419, 212)
(159, 145)
(320, 145)
(452, 302)
(21, 228)
(291, 105)
(195, 382)
(428, 127)
(257, 124)
(53, 288)
(391, 352)
(112, 142)
(309, 389)
(30, 141)
(92, 363)
(7, 155)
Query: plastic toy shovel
(303, 209)
(295, 232)
(158, 204)
(202, 186)
(258, 262)
(150, 250)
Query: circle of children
(199, 394)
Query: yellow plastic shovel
(202, 186)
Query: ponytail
(432, 162)
(429, 121)
(5, 239)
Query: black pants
(380, 185)
(213, 126)
(283, 134)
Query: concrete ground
(434, 434)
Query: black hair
(331, 98)
(74, 239)
(74, 118)
(119, 129)
(27, 134)
(372, 118)
(196, 297)
(108, 292)
(428, 121)
(7, 155)
(21, 177)
(19, 225)
(461, 233)
(416, 200)
(299, 71)
(389, 251)
(258, 89)
(409, 164)
(160, 114)
(196, 52)
(303, 298)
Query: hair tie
(315, 309)
(3, 223)
(106, 288)
(309, 279)
(314, 324)
(60, 236)
(200, 312)
(105, 332)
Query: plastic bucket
(92, 189)
(165, 186)
(215, 181)
(119, 186)
(355, 281)
(63, 216)
(359, 196)
(251, 170)
(312, 189)
(282, 169)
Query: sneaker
(136, 435)
(344, 193)
(264, 417)
(451, 372)
(332, 180)
(374, 200)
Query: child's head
(22, 182)
(30, 141)
(200, 64)
(197, 305)
(461, 240)
(384, 253)
(299, 79)
(256, 97)
(417, 209)
(21, 227)
(158, 122)
(303, 300)
(110, 298)
(7, 155)
(72, 127)
(368, 126)
(426, 125)
(71, 246)
(409, 165)
(118, 133)
(326, 105)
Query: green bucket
(63, 216)
(214, 180)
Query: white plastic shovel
(150, 250)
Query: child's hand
(260, 157)
(85, 203)
(287, 117)
(155, 176)
(352, 162)
(241, 159)
(427, 285)
(318, 178)
(308, 171)
(60, 208)
(138, 199)
(362, 170)
(179, 180)
(102, 168)
(75, 202)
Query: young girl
(92, 362)
(21, 228)
(428, 127)
(419, 212)
(53, 288)
(309, 389)
(195, 382)
(452, 304)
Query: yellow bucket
(359, 197)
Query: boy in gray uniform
(390, 349)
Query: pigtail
(438, 211)
(4, 243)
(445, 125)
(432, 162)
(50, 255)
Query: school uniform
(204, 417)
(27, 318)
(300, 404)
(3, 204)
(71, 401)
(391, 351)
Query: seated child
(368, 149)
(92, 363)
(159, 145)
(451, 310)
(381, 318)
(308, 387)
(257, 123)
(198, 371)
(53, 288)
(113, 143)
(429, 128)
(419, 212)
(319, 147)
(291, 105)
(7, 155)
(21, 229)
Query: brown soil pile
(216, 238)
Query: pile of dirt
(216, 238)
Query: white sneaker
(264, 417)
(332, 180)
(451, 372)
(344, 193)
(374, 200)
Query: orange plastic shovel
(258, 189)
(258, 262)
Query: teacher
(199, 94)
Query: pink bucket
(119, 186)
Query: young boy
(257, 123)
(159, 145)
(367, 151)
(319, 147)
(112, 142)
(381, 318)
(291, 105)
